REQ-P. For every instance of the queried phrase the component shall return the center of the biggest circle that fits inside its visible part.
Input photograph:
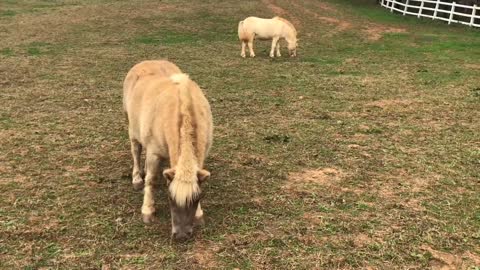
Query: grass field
(361, 153)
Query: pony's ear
(169, 174)
(203, 175)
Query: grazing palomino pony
(169, 116)
(275, 28)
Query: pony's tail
(128, 85)
(242, 34)
(184, 187)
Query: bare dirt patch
(340, 25)
(387, 103)
(325, 7)
(276, 9)
(375, 32)
(391, 186)
(281, 12)
(322, 177)
(447, 261)
(472, 66)
(203, 255)
(362, 240)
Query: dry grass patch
(398, 181)
(446, 261)
(472, 66)
(302, 181)
(279, 11)
(389, 103)
(376, 31)
(340, 25)
(203, 255)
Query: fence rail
(436, 10)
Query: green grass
(6, 52)
(7, 13)
(361, 152)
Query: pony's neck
(289, 34)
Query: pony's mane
(287, 22)
(184, 188)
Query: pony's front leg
(137, 172)
(250, 48)
(244, 44)
(274, 44)
(152, 163)
(278, 49)
(199, 215)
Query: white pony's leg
(278, 49)
(148, 209)
(137, 172)
(250, 48)
(244, 44)
(199, 212)
(199, 215)
(274, 44)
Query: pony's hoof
(148, 218)
(199, 221)
(243, 55)
(252, 55)
(137, 183)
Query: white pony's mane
(184, 188)
(288, 23)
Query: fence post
(436, 11)
(420, 10)
(406, 7)
(392, 4)
(451, 13)
(474, 11)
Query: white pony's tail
(184, 187)
(128, 84)
(242, 34)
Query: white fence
(436, 10)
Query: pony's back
(160, 68)
(286, 22)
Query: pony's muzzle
(182, 236)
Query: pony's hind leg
(152, 163)
(244, 44)
(278, 49)
(274, 44)
(250, 48)
(137, 172)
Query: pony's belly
(263, 37)
(262, 34)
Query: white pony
(275, 28)
(170, 117)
